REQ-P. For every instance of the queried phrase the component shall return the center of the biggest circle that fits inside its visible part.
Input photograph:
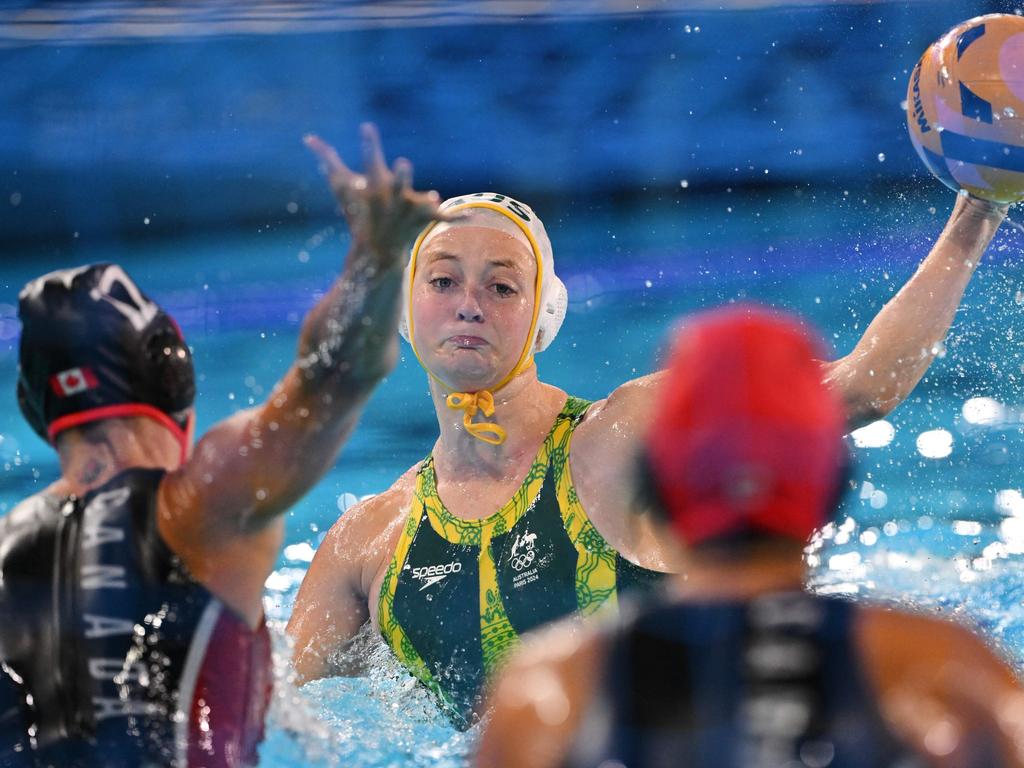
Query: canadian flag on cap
(72, 381)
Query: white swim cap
(548, 309)
(552, 296)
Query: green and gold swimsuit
(458, 593)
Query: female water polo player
(131, 623)
(735, 666)
(518, 516)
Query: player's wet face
(472, 304)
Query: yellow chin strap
(470, 403)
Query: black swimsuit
(113, 654)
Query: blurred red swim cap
(748, 438)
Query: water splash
(977, 582)
(381, 719)
(1014, 224)
(295, 731)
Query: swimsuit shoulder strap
(575, 408)
(560, 437)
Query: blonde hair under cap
(549, 306)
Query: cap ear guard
(403, 321)
(555, 303)
(169, 369)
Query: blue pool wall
(134, 135)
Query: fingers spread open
(373, 156)
(402, 170)
(332, 164)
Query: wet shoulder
(375, 512)
(619, 419)
(41, 506)
(928, 671)
(28, 535)
(903, 648)
(878, 625)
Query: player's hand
(384, 213)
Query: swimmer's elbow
(867, 397)
(314, 662)
(309, 662)
(865, 412)
(305, 670)
(862, 405)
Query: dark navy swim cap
(93, 347)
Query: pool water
(934, 516)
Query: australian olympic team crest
(524, 559)
(523, 551)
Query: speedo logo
(428, 575)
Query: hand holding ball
(965, 108)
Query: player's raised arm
(951, 125)
(253, 466)
(903, 339)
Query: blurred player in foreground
(736, 665)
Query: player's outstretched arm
(251, 467)
(900, 343)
